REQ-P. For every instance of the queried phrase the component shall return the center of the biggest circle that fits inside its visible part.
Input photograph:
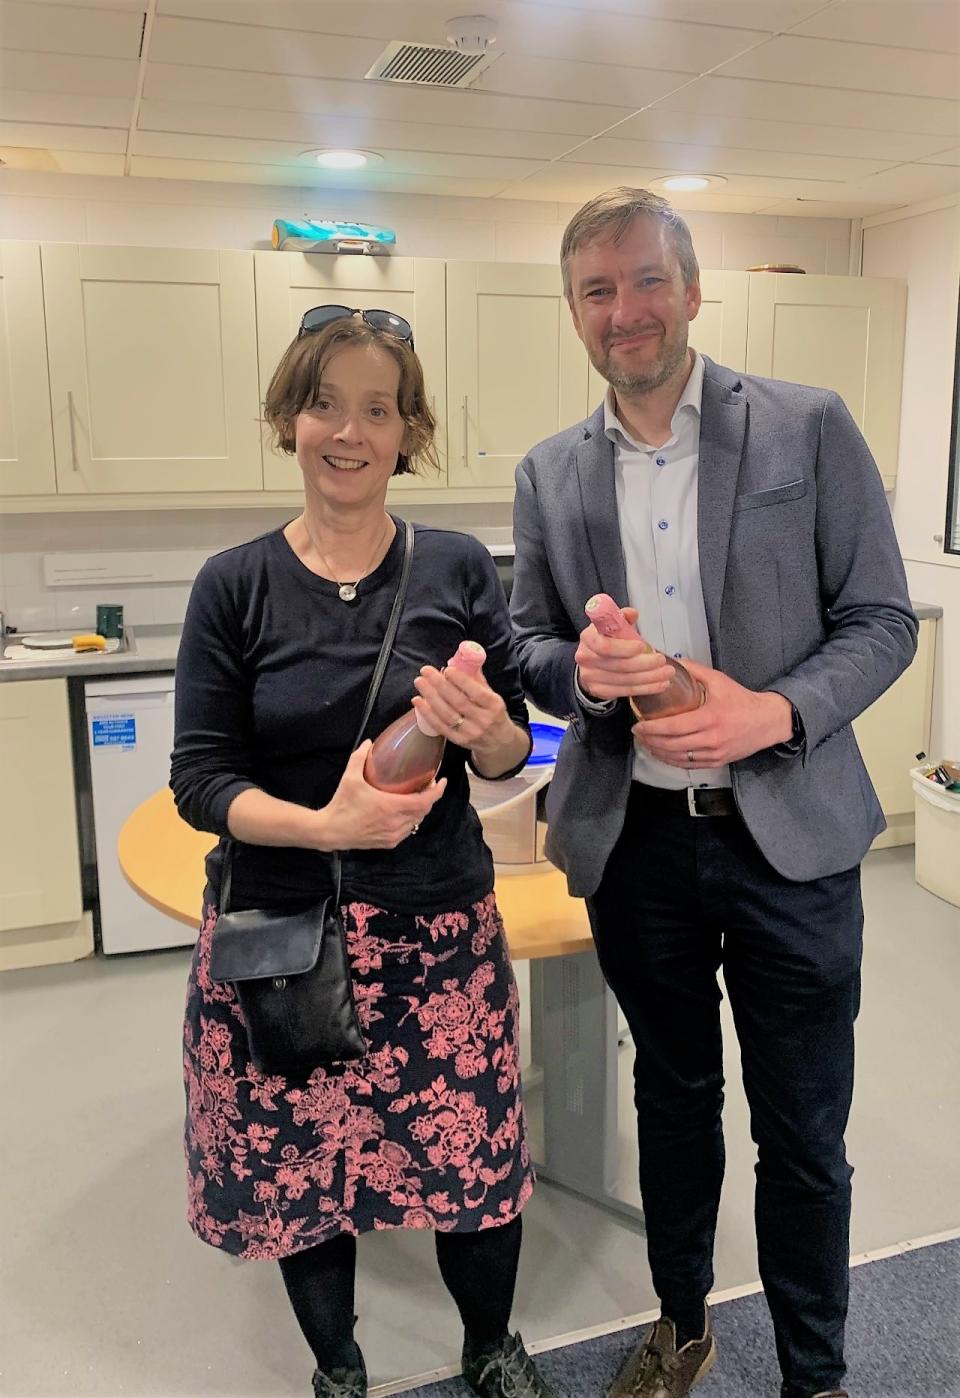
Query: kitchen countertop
(154, 651)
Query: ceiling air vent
(430, 65)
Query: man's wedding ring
(690, 758)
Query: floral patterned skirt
(426, 1131)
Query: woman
(279, 643)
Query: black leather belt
(690, 800)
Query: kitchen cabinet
(516, 371)
(891, 733)
(844, 333)
(720, 329)
(26, 436)
(153, 370)
(289, 283)
(41, 903)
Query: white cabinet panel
(289, 283)
(26, 439)
(153, 369)
(39, 855)
(720, 329)
(516, 371)
(844, 333)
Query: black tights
(478, 1269)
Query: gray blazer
(804, 591)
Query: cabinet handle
(466, 442)
(73, 433)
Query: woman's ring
(458, 722)
(414, 827)
(690, 758)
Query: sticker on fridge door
(114, 731)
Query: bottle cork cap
(470, 657)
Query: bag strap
(379, 670)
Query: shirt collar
(691, 397)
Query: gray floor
(107, 1293)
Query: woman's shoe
(504, 1371)
(341, 1383)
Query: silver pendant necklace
(347, 591)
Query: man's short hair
(609, 215)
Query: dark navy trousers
(681, 896)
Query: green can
(110, 620)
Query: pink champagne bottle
(685, 693)
(407, 755)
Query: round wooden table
(162, 860)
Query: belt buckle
(692, 803)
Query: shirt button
(662, 524)
(670, 590)
(661, 461)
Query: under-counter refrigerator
(129, 735)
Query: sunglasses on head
(319, 317)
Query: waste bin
(508, 809)
(937, 850)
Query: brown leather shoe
(659, 1370)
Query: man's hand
(611, 668)
(733, 723)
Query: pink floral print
(427, 1131)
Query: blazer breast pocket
(779, 495)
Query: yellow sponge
(88, 642)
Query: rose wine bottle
(685, 693)
(407, 755)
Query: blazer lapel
(723, 422)
(598, 495)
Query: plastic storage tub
(508, 809)
(937, 850)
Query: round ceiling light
(689, 184)
(343, 159)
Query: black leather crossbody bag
(291, 971)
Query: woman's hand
(463, 708)
(612, 667)
(358, 816)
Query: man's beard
(665, 365)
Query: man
(745, 523)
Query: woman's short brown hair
(610, 214)
(296, 380)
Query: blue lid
(547, 738)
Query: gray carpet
(903, 1339)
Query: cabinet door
(516, 371)
(26, 437)
(153, 369)
(289, 283)
(844, 333)
(39, 857)
(720, 329)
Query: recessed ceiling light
(342, 159)
(689, 183)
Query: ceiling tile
(845, 208)
(88, 138)
(743, 14)
(710, 129)
(565, 80)
(158, 168)
(64, 29)
(69, 162)
(587, 179)
(375, 101)
(314, 129)
(782, 101)
(943, 157)
(724, 160)
(54, 72)
(126, 6)
(856, 67)
(64, 108)
(909, 183)
(244, 48)
(911, 24)
(286, 155)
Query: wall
(922, 244)
(169, 213)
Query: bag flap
(255, 943)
